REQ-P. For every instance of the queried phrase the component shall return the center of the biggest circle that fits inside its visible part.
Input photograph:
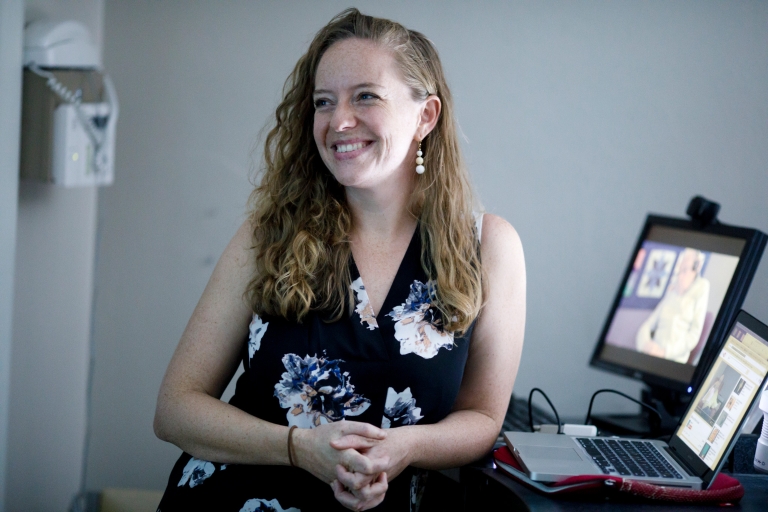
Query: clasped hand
(356, 458)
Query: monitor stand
(671, 405)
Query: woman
(363, 183)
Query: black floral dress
(399, 367)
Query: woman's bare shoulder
(500, 239)
(238, 260)
(224, 296)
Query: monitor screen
(678, 279)
(726, 395)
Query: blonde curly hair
(300, 217)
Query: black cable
(591, 400)
(530, 410)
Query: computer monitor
(682, 287)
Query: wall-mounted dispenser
(69, 108)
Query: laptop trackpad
(550, 453)
(553, 463)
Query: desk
(483, 488)
(488, 489)
(480, 487)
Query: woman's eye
(367, 96)
(320, 103)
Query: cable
(591, 400)
(530, 410)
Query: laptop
(701, 441)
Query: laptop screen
(725, 397)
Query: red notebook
(724, 489)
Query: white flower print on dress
(196, 471)
(316, 392)
(363, 307)
(258, 327)
(400, 409)
(256, 505)
(418, 325)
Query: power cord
(560, 428)
(641, 404)
(530, 410)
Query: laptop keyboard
(628, 458)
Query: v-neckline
(387, 297)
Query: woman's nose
(343, 117)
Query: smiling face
(366, 121)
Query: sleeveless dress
(399, 367)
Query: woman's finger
(351, 480)
(355, 442)
(345, 497)
(376, 492)
(380, 485)
(354, 461)
(362, 429)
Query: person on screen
(675, 326)
(710, 403)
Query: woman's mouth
(347, 148)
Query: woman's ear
(430, 113)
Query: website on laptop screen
(724, 398)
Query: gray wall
(51, 322)
(579, 118)
(11, 26)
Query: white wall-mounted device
(70, 108)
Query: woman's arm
(494, 356)
(189, 413)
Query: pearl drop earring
(419, 161)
